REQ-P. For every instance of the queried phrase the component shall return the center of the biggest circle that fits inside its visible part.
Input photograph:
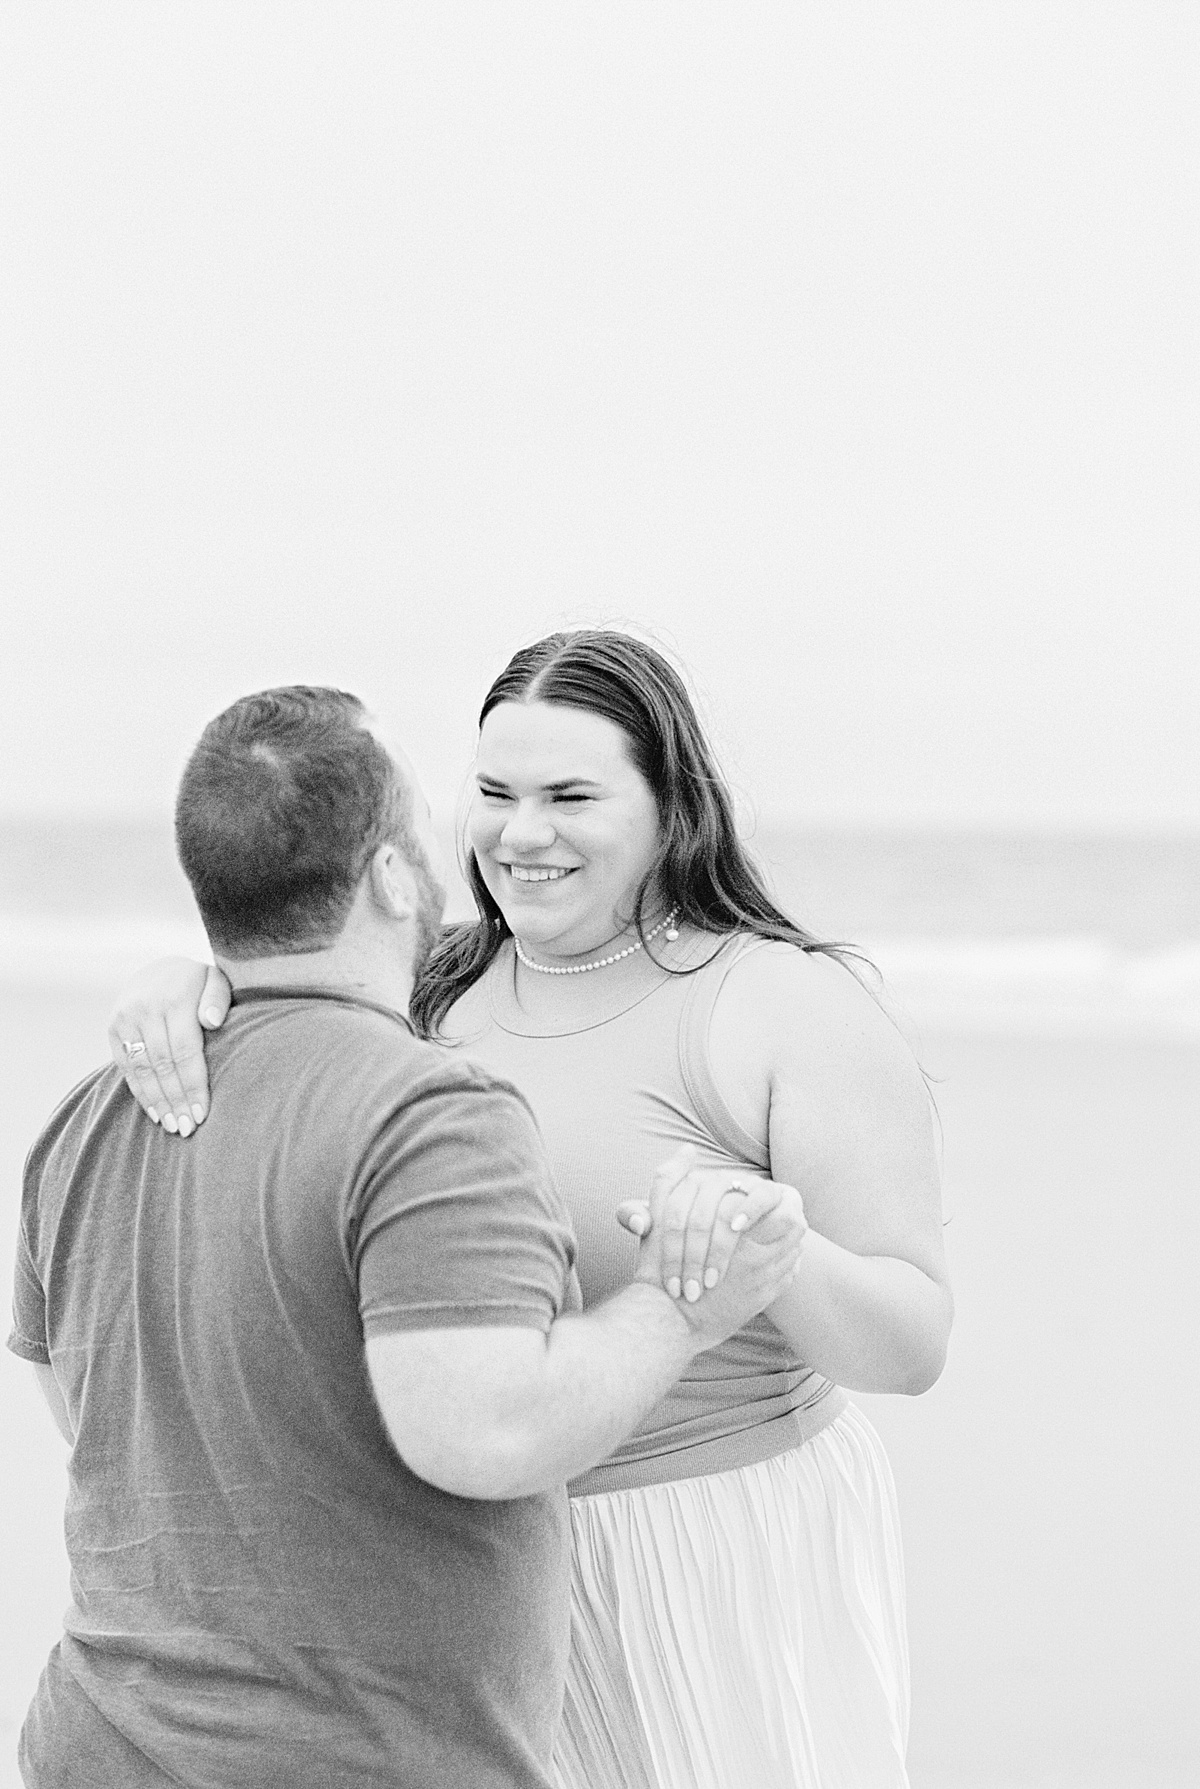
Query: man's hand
(724, 1245)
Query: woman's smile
(538, 872)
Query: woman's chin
(537, 936)
(554, 934)
(534, 922)
(538, 929)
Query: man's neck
(372, 974)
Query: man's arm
(54, 1397)
(498, 1413)
(506, 1412)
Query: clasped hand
(712, 1235)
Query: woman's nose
(528, 828)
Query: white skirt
(743, 1630)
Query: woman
(737, 1586)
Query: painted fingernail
(673, 1287)
(151, 1114)
(739, 1222)
(186, 1127)
(692, 1291)
(198, 1114)
(637, 1224)
(711, 1276)
(169, 1123)
(211, 1016)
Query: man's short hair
(281, 806)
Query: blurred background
(851, 354)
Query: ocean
(1048, 1483)
(982, 932)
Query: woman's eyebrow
(559, 788)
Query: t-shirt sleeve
(457, 1222)
(27, 1337)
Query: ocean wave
(1050, 985)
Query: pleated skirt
(742, 1630)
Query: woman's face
(563, 826)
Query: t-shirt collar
(344, 997)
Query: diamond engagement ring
(135, 1048)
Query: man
(323, 1371)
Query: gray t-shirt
(262, 1592)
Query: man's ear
(392, 883)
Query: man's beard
(431, 905)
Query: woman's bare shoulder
(786, 1010)
(803, 1052)
(780, 983)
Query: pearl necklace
(602, 962)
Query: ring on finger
(740, 1221)
(135, 1046)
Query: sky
(849, 351)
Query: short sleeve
(457, 1222)
(28, 1335)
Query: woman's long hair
(702, 869)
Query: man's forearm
(506, 1411)
(873, 1323)
(599, 1375)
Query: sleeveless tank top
(612, 1100)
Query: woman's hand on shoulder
(163, 1012)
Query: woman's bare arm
(805, 1057)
